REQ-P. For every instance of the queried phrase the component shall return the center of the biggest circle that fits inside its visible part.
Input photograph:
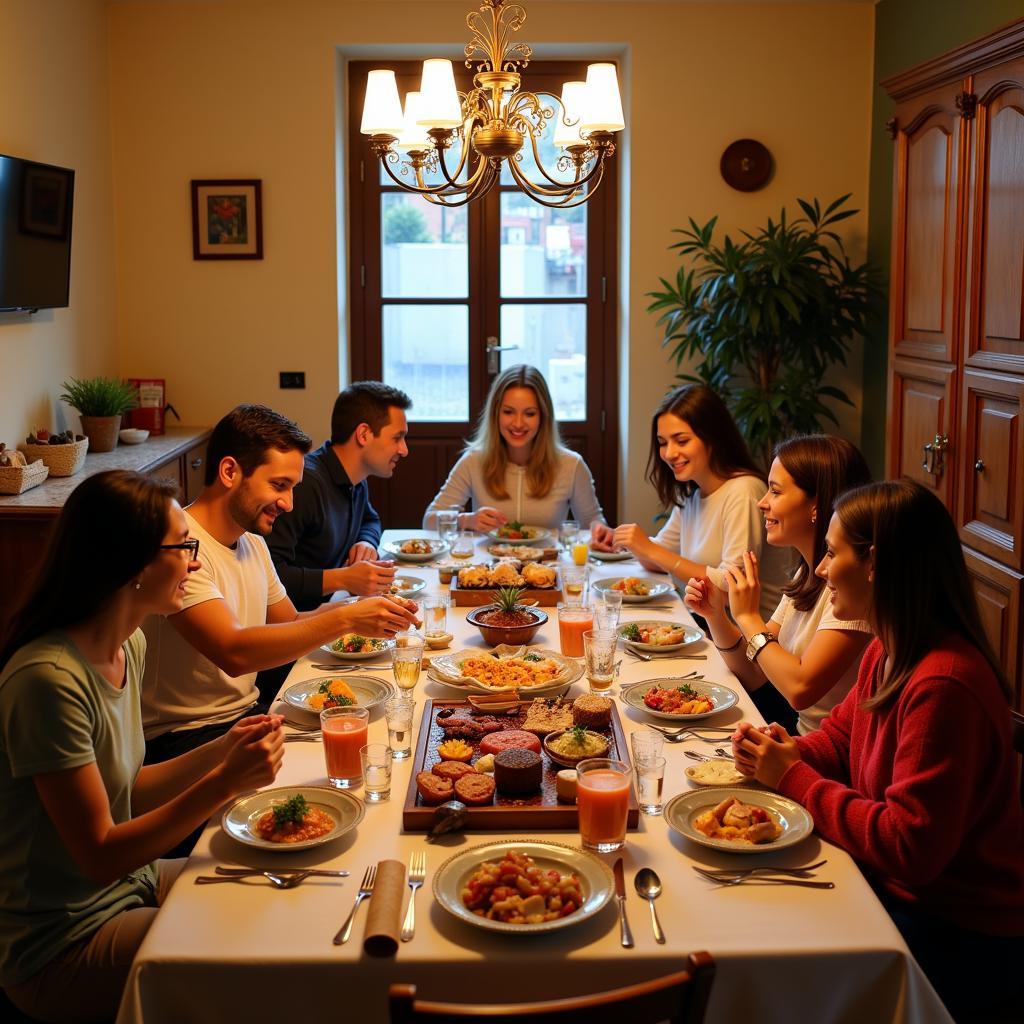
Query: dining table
(783, 953)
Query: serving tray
(546, 597)
(537, 812)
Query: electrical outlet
(294, 379)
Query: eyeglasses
(191, 546)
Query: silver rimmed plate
(380, 647)
(691, 634)
(239, 820)
(555, 689)
(681, 811)
(657, 588)
(408, 585)
(722, 697)
(612, 556)
(369, 691)
(437, 548)
(534, 536)
(596, 882)
(447, 668)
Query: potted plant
(767, 317)
(506, 621)
(101, 402)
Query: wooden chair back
(679, 998)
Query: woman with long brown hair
(515, 468)
(808, 660)
(702, 470)
(913, 773)
(84, 821)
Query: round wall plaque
(746, 165)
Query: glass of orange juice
(344, 734)
(602, 796)
(573, 621)
(580, 552)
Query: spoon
(648, 887)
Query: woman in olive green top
(84, 821)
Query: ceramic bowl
(133, 435)
(514, 635)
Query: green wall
(907, 32)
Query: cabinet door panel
(922, 405)
(992, 446)
(999, 591)
(924, 306)
(995, 304)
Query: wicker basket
(18, 479)
(62, 459)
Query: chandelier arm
(475, 192)
(569, 200)
(418, 189)
(563, 188)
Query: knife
(625, 935)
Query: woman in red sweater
(913, 773)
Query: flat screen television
(35, 234)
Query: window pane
(404, 173)
(543, 251)
(553, 339)
(424, 251)
(426, 354)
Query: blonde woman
(515, 468)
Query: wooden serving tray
(546, 597)
(536, 813)
(547, 554)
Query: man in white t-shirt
(236, 618)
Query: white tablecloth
(258, 954)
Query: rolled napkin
(384, 921)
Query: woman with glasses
(913, 774)
(84, 821)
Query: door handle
(493, 359)
(934, 461)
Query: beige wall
(250, 89)
(54, 107)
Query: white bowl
(133, 435)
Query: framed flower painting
(227, 219)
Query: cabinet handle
(935, 455)
(196, 463)
(979, 466)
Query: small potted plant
(507, 621)
(101, 402)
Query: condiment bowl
(570, 760)
(514, 635)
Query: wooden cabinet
(956, 325)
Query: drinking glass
(407, 659)
(448, 525)
(344, 734)
(574, 584)
(647, 744)
(607, 609)
(573, 620)
(568, 532)
(399, 713)
(580, 552)
(602, 797)
(650, 778)
(435, 615)
(376, 763)
(599, 647)
(464, 544)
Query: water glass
(464, 544)
(602, 798)
(399, 712)
(574, 584)
(344, 734)
(376, 762)
(650, 779)
(435, 615)
(599, 646)
(407, 659)
(647, 745)
(606, 613)
(568, 532)
(448, 525)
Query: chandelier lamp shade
(494, 122)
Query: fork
(417, 875)
(242, 872)
(763, 880)
(365, 890)
(747, 872)
(277, 881)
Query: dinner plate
(239, 820)
(723, 697)
(369, 691)
(437, 547)
(596, 882)
(693, 773)
(691, 634)
(555, 689)
(537, 534)
(657, 588)
(384, 648)
(681, 810)
(408, 585)
(612, 556)
(449, 668)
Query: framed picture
(45, 201)
(227, 219)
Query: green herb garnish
(532, 657)
(339, 701)
(688, 692)
(579, 735)
(631, 632)
(292, 811)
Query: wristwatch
(757, 643)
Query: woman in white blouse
(701, 468)
(515, 468)
(803, 661)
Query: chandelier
(493, 121)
